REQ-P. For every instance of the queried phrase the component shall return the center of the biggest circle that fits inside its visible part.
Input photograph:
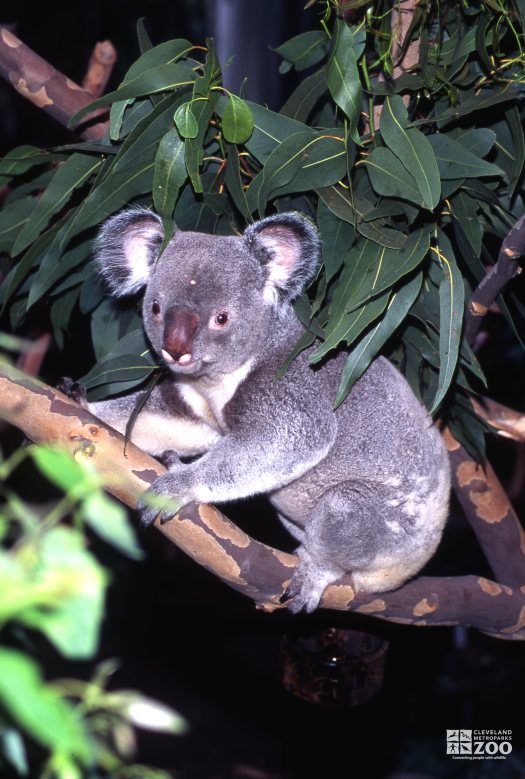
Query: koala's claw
(159, 500)
(72, 389)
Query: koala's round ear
(288, 245)
(126, 249)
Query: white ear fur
(126, 249)
(289, 247)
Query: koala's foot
(74, 390)
(309, 581)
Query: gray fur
(363, 488)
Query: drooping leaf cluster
(413, 178)
(53, 584)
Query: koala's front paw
(159, 500)
(74, 390)
(170, 458)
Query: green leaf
(165, 53)
(193, 147)
(170, 173)
(388, 266)
(77, 582)
(452, 302)
(342, 75)
(337, 237)
(390, 178)
(303, 99)
(71, 175)
(515, 125)
(303, 50)
(185, 120)
(116, 191)
(233, 182)
(347, 329)
(126, 365)
(269, 129)
(479, 141)
(412, 148)
(341, 204)
(302, 162)
(162, 78)
(455, 161)
(38, 709)
(13, 217)
(480, 102)
(371, 343)
(23, 158)
(110, 521)
(61, 469)
(237, 120)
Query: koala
(363, 488)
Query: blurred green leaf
(37, 708)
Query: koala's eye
(155, 308)
(221, 319)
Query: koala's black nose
(180, 325)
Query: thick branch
(44, 86)
(490, 514)
(495, 279)
(249, 566)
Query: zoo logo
(479, 744)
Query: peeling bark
(46, 87)
(253, 568)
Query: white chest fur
(208, 397)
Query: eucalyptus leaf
(342, 75)
(69, 176)
(452, 302)
(455, 161)
(390, 178)
(413, 149)
(185, 120)
(371, 343)
(170, 173)
(304, 50)
(237, 120)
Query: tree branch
(490, 286)
(206, 535)
(47, 88)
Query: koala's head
(210, 301)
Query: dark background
(187, 639)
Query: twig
(99, 68)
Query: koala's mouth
(182, 364)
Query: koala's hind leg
(368, 530)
